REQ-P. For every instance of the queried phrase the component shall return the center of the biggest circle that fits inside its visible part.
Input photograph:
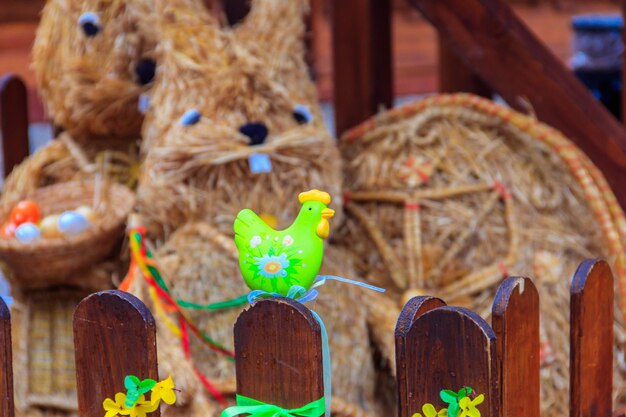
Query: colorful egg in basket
(44, 261)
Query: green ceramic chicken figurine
(274, 261)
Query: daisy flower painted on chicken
(273, 266)
(274, 261)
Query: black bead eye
(90, 23)
(145, 70)
(302, 114)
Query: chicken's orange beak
(327, 213)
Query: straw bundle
(63, 160)
(89, 82)
(449, 195)
(200, 265)
(200, 171)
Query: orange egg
(8, 229)
(25, 211)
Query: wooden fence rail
(515, 320)
(279, 350)
(442, 347)
(114, 336)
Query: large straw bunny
(93, 60)
(234, 123)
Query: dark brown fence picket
(114, 336)
(13, 121)
(515, 320)
(591, 340)
(278, 354)
(6, 366)
(411, 311)
(448, 348)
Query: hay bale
(449, 195)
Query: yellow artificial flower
(468, 406)
(143, 407)
(116, 408)
(164, 390)
(429, 410)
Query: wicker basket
(47, 261)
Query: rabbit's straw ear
(191, 39)
(274, 31)
(191, 52)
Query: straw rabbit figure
(222, 96)
(92, 60)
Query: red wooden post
(278, 354)
(455, 75)
(6, 366)
(362, 60)
(13, 121)
(506, 55)
(415, 308)
(591, 340)
(448, 348)
(515, 320)
(114, 336)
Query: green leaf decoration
(452, 399)
(448, 396)
(131, 382)
(136, 388)
(464, 392)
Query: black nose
(257, 132)
(145, 70)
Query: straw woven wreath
(197, 176)
(449, 195)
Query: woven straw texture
(44, 352)
(448, 195)
(46, 261)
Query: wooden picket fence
(278, 350)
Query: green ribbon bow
(256, 408)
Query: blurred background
(584, 34)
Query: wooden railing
(278, 350)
